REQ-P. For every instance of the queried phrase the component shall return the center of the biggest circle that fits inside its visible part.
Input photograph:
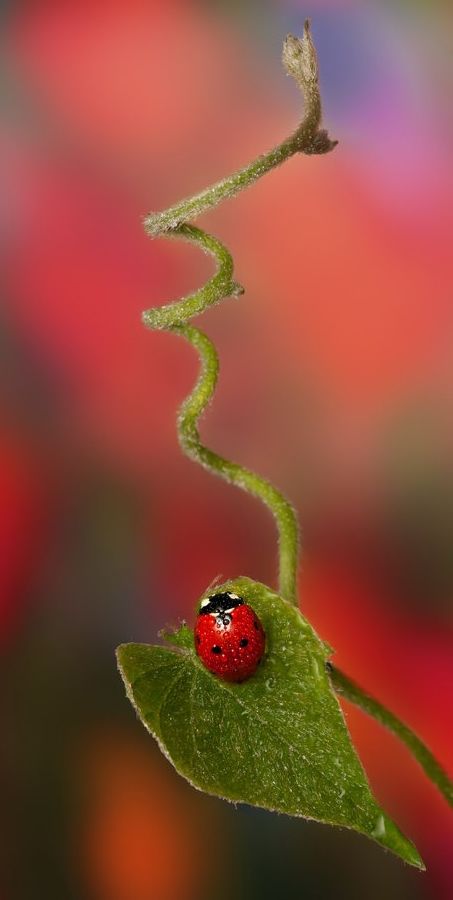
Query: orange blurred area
(139, 834)
(336, 383)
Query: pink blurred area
(337, 383)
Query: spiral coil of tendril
(300, 61)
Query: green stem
(352, 692)
(173, 317)
(299, 58)
(191, 410)
(306, 139)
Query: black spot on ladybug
(243, 642)
(216, 649)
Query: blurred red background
(337, 383)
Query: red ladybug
(229, 637)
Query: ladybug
(229, 637)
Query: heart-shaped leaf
(278, 740)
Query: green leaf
(277, 741)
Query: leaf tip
(124, 664)
(132, 661)
(121, 654)
(389, 836)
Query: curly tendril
(299, 58)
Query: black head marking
(220, 603)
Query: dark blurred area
(337, 383)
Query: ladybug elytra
(229, 637)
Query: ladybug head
(220, 604)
